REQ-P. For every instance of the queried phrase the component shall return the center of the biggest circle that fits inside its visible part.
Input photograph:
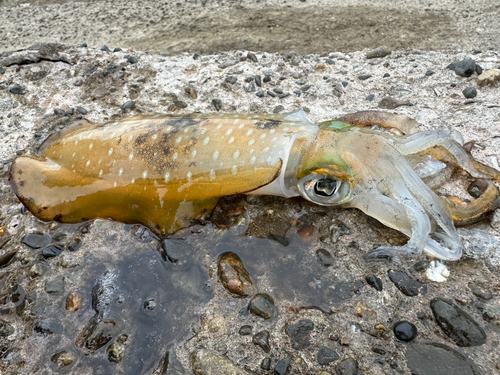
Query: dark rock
(100, 334)
(266, 364)
(105, 48)
(277, 90)
(305, 88)
(299, 333)
(115, 352)
(374, 282)
(70, 112)
(233, 275)
(431, 358)
(74, 244)
(347, 367)
(261, 93)
(379, 349)
(81, 110)
(344, 83)
(285, 95)
(63, 359)
(2, 70)
(83, 45)
(300, 82)
(17, 90)
(421, 265)
(217, 103)
(196, 56)
(386, 75)
(270, 93)
(429, 73)
(266, 78)
(326, 355)
(117, 49)
(128, 105)
(481, 292)
(258, 80)
(263, 305)
(457, 324)
(36, 241)
(231, 79)
(278, 109)
(470, 92)
(464, 68)
(59, 111)
(6, 328)
(370, 97)
(245, 330)
(52, 251)
(405, 331)
(391, 103)
(406, 284)
(282, 366)
(49, 326)
(55, 285)
(132, 59)
(364, 77)
(378, 52)
(150, 304)
(325, 257)
(330, 62)
(262, 339)
(251, 56)
(249, 79)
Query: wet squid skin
(164, 171)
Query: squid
(165, 171)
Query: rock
(74, 244)
(59, 111)
(277, 90)
(227, 63)
(266, 364)
(63, 359)
(282, 366)
(263, 305)
(457, 324)
(271, 94)
(115, 352)
(258, 80)
(406, 284)
(245, 330)
(49, 326)
(36, 240)
(2, 70)
(465, 68)
(52, 251)
(374, 282)
(105, 48)
(17, 90)
(81, 110)
(299, 333)
(73, 302)
(100, 334)
(370, 97)
(378, 52)
(132, 59)
(364, 77)
(428, 73)
(481, 292)
(261, 93)
(217, 103)
(326, 355)
(405, 331)
(278, 109)
(231, 79)
(128, 105)
(325, 257)
(470, 92)
(55, 285)
(330, 62)
(191, 91)
(489, 77)
(251, 56)
(431, 358)
(205, 362)
(262, 339)
(267, 78)
(6, 328)
(391, 103)
(347, 367)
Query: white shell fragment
(437, 272)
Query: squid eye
(325, 187)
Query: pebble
(300, 333)
(391, 103)
(261, 93)
(49, 326)
(266, 364)
(105, 48)
(457, 324)
(347, 367)
(6, 328)
(432, 358)
(17, 90)
(325, 257)
(370, 97)
(227, 63)
(36, 241)
(74, 244)
(130, 104)
(52, 251)
(470, 92)
(374, 282)
(262, 339)
(277, 90)
(270, 93)
(234, 276)
(330, 62)
(481, 292)
(428, 73)
(278, 109)
(63, 359)
(364, 77)
(381, 51)
(489, 77)
(73, 302)
(217, 103)
(115, 352)
(245, 330)
(55, 285)
(251, 56)
(2, 70)
(263, 305)
(465, 68)
(191, 92)
(258, 80)
(326, 355)
(132, 59)
(405, 331)
(59, 111)
(406, 284)
(267, 78)
(282, 366)
(231, 79)
(99, 335)
(81, 110)
(205, 362)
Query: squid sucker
(164, 171)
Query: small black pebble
(231, 79)
(18, 90)
(245, 330)
(2, 70)
(326, 355)
(330, 62)
(364, 77)
(70, 112)
(386, 75)
(298, 92)
(217, 103)
(258, 80)
(277, 90)
(285, 95)
(405, 331)
(470, 92)
(83, 45)
(270, 93)
(267, 78)
(261, 94)
(59, 111)
(370, 98)
(128, 105)
(132, 59)
(52, 251)
(429, 73)
(453, 85)
(105, 48)
(266, 364)
(117, 49)
(374, 282)
(282, 367)
(81, 110)
(196, 56)
(345, 83)
(421, 265)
